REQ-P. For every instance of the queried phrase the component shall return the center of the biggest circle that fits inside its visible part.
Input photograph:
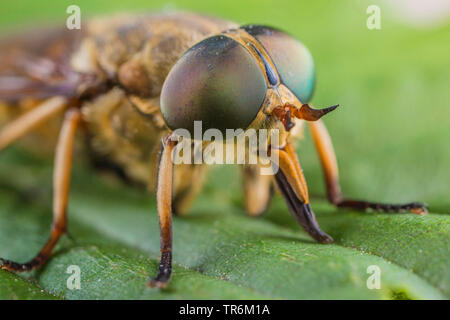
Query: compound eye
(218, 82)
(292, 59)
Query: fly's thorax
(120, 136)
(138, 51)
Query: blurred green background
(392, 131)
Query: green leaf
(13, 287)
(218, 251)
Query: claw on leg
(21, 267)
(413, 207)
(164, 271)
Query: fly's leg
(258, 189)
(188, 180)
(61, 181)
(30, 120)
(327, 157)
(292, 185)
(164, 201)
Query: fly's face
(253, 76)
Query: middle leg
(61, 181)
(327, 157)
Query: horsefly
(137, 86)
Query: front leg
(327, 157)
(258, 189)
(164, 201)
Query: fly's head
(252, 77)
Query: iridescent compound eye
(218, 82)
(292, 59)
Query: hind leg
(327, 157)
(30, 120)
